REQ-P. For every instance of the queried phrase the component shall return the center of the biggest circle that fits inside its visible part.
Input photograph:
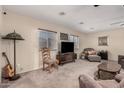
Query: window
(74, 39)
(48, 39)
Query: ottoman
(94, 58)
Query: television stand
(65, 57)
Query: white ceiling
(104, 17)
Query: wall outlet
(19, 68)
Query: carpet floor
(65, 77)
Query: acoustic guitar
(8, 70)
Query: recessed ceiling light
(91, 28)
(81, 23)
(62, 13)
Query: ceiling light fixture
(62, 13)
(116, 23)
(122, 25)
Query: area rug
(65, 77)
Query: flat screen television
(67, 47)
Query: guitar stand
(15, 77)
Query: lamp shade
(13, 36)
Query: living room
(90, 28)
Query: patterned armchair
(89, 51)
(48, 62)
(91, 54)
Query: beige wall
(115, 42)
(0, 37)
(28, 50)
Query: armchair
(91, 55)
(85, 81)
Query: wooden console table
(65, 57)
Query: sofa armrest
(121, 84)
(86, 81)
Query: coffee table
(108, 70)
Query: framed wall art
(103, 41)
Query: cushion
(88, 49)
(122, 84)
(94, 52)
(94, 58)
(86, 81)
(119, 77)
(90, 52)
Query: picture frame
(103, 41)
(63, 36)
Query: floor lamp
(14, 36)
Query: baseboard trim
(113, 60)
(30, 70)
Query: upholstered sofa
(86, 81)
(91, 55)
